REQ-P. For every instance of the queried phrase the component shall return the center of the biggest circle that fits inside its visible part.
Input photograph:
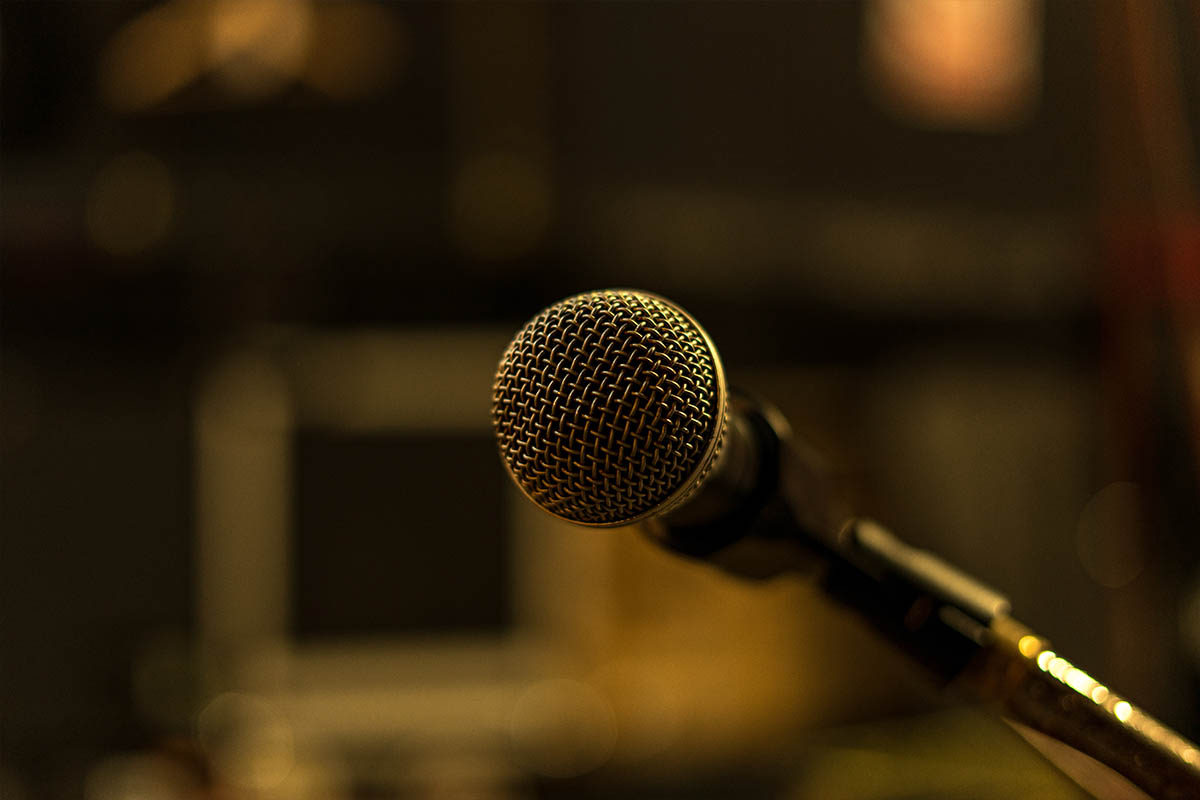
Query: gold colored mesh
(606, 405)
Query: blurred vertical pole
(1150, 300)
(242, 435)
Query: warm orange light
(955, 61)
(253, 47)
(153, 56)
(258, 46)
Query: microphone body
(773, 508)
(611, 408)
(770, 506)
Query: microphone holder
(771, 506)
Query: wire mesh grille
(606, 404)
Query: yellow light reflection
(1123, 711)
(1080, 681)
(131, 204)
(1029, 645)
(1099, 694)
(1044, 658)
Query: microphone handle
(790, 517)
(1037, 687)
(962, 632)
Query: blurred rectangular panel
(94, 537)
(771, 95)
(842, 252)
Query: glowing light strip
(1122, 710)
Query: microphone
(612, 408)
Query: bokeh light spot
(153, 56)
(247, 740)
(259, 45)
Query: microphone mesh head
(609, 407)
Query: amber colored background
(261, 256)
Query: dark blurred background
(260, 258)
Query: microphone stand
(770, 506)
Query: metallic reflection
(1069, 674)
(1058, 668)
(1122, 711)
(1080, 681)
